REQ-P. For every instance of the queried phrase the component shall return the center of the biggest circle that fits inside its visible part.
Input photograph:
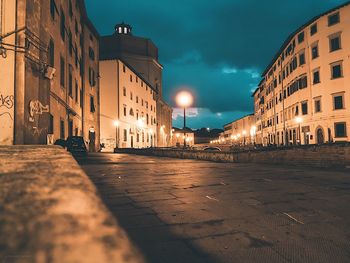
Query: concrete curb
(50, 211)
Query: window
(125, 135)
(70, 8)
(336, 69)
(130, 78)
(70, 127)
(92, 77)
(53, 9)
(63, 25)
(334, 43)
(301, 59)
(62, 131)
(313, 29)
(51, 125)
(137, 137)
(316, 75)
(51, 53)
(81, 98)
(304, 108)
(70, 81)
(301, 37)
(62, 67)
(76, 91)
(314, 51)
(131, 112)
(131, 95)
(318, 105)
(92, 104)
(124, 68)
(91, 53)
(70, 43)
(124, 91)
(338, 102)
(76, 27)
(137, 99)
(124, 109)
(333, 19)
(340, 129)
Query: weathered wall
(337, 156)
(7, 73)
(51, 212)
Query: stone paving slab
(50, 211)
(197, 211)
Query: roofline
(291, 36)
(251, 114)
(86, 19)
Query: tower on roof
(123, 28)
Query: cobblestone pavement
(194, 211)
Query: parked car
(61, 142)
(212, 149)
(77, 146)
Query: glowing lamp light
(140, 123)
(244, 133)
(184, 99)
(116, 123)
(298, 120)
(253, 130)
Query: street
(194, 211)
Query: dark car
(212, 149)
(61, 142)
(76, 145)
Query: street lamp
(116, 125)
(244, 134)
(184, 99)
(253, 133)
(299, 120)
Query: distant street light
(299, 120)
(244, 134)
(253, 132)
(116, 125)
(184, 99)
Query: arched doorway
(319, 135)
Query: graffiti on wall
(36, 108)
(6, 105)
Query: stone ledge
(320, 156)
(50, 211)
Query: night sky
(218, 48)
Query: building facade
(128, 107)
(180, 137)
(304, 96)
(142, 55)
(53, 84)
(239, 132)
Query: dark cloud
(198, 39)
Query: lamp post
(244, 134)
(184, 99)
(253, 133)
(299, 120)
(116, 125)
